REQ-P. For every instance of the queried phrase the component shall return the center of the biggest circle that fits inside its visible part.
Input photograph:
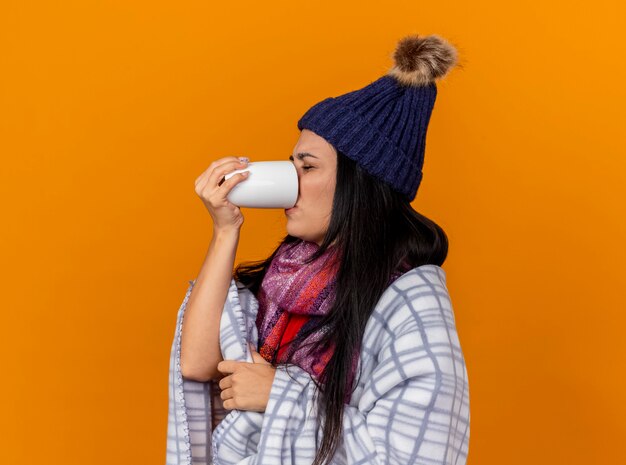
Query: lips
(287, 210)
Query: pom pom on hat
(420, 60)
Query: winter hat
(382, 126)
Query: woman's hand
(247, 385)
(213, 190)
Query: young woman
(354, 355)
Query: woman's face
(316, 163)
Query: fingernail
(244, 160)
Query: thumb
(257, 357)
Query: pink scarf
(292, 287)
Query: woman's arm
(200, 349)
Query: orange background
(111, 110)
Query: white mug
(270, 184)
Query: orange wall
(110, 110)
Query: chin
(297, 232)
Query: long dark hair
(375, 229)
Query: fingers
(203, 179)
(230, 182)
(226, 394)
(226, 366)
(218, 169)
(218, 173)
(225, 382)
(228, 401)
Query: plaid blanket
(410, 405)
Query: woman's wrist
(226, 233)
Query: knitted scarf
(293, 289)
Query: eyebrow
(302, 156)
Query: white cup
(270, 184)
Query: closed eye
(306, 168)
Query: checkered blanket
(410, 405)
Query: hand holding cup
(213, 188)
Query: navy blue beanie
(382, 127)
